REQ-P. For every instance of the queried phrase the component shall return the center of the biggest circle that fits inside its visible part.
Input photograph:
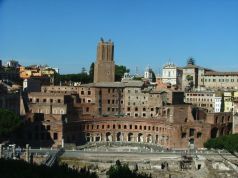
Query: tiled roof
(209, 73)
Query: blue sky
(64, 33)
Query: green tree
(9, 122)
(153, 76)
(83, 70)
(23, 169)
(222, 103)
(191, 61)
(119, 72)
(91, 72)
(228, 142)
(122, 170)
(189, 77)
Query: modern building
(12, 64)
(218, 103)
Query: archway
(149, 138)
(214, 132)
(108, 137)
(88, 137)
(222, 131)
(119, 136)
(191, 143)
(140, 137)
(156, 138)
(130, 137)
(97, 138)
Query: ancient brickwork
(104, 68)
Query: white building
(171, 74)
(148, 74)
(12, 63)
(217, 105)
(209, 100)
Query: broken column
(14, 151)
(1, 151)
(27, 153)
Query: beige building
(220, 80)
(201, 99)
(209, 100)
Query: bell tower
(104, 68)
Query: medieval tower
(104, 68)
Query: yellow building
(48, 71)
(228, 101)
(28, 72)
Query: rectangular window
(183, 135)
(48, 127)
(191, 132)
(55, 136)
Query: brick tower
(104, 68)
